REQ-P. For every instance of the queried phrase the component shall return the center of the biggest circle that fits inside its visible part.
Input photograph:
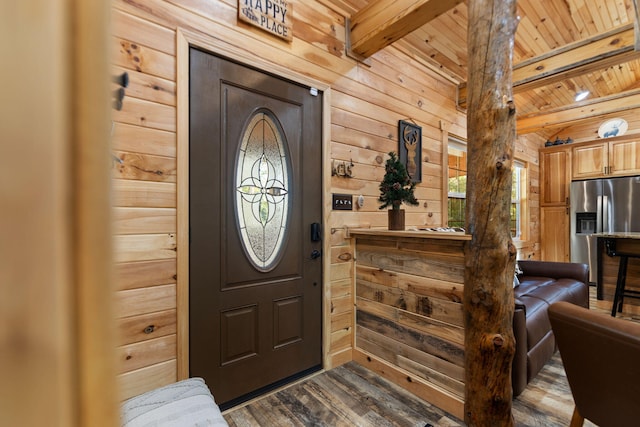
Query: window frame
(522, 223)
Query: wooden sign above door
(273, 16)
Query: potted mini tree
(396, 188)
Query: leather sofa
(541, 284)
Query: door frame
(186, 39)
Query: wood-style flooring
(351, 395)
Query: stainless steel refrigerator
(601, 206)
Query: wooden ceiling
(561, 48)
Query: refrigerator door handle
(599, 214)
(605, 214)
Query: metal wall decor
(342, 168)
(410, 148)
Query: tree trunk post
(490, 255)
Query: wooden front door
(255, 273)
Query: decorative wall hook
(122, 79)
(117, 159)
(342, 169)
(118, 94)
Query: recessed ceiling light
(582, 95)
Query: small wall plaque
(410, 148)
(342, 202)
(273, 16)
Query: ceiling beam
(585, 56)
(636, 22)
(567, 116)
(382, 22)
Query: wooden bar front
(608, 271)
(409, 322)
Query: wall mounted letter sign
(273, 16)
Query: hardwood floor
(351, 395)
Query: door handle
(605, 214)
(316, 234)
(315, 254)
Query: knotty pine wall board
(147, 194)
(134, 275)
(137, 139)
(127, 220)
(146, 353)
(133, 383)
(134, 329)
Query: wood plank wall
(366, 104)
(409, 314)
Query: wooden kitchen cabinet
(590, 161)
(555, 177)
(555, 174)
(624, 158)
(605, 159)
(554, 238)
(619, 156)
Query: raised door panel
(554, 240)
(555, 177)
(624, 157)
(590, 161)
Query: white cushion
(185, 403)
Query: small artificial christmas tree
(396, 186)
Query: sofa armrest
(555, 270)
(519, 366)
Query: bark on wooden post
(490, 255)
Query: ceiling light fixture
(582, 95)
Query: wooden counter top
(445, 235)
(619, 235)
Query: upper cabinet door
(555, 173)
(624, 158)
(590, 161)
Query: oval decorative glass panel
(263, 190)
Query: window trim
(524, 201)
(525, 225)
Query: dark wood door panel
(252, 322)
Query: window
(263, 189)
(518, 205)
(457, 182)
